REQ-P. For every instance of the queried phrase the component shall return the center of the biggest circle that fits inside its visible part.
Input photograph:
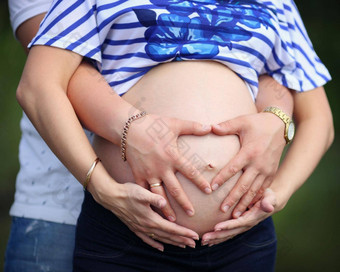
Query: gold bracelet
(125, 132)
(89, 173)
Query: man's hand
(134, 207)
(230, 228)
(262, 143)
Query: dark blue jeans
(104, 243)
(38, 245)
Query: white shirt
(45, 189)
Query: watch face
(291, 131)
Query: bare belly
(202, 91)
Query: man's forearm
(83, 88)
(27, 30)
(98, 107)
(271, 93)
(314, 136)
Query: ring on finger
(155, 184)
(152, 235)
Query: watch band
(285, 118)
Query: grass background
(307, 228)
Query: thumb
(269, 201)
(155, 200)
(186, 127)
(229, 127)
(141, 195)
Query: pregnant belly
(202, 91)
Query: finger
(217, 237)
(152, 199)
(151, 242)
(234, 166)
(230, 236)
(232, 224)
(185, 167)
(267, 182)
(248, 219)
(185, 127)
(156, 227)
(176, 191)
(170, 242)
(182, 242)
(168, 229)
(167, 211)
(172, 239)
(240, 188)
(248, 196)
(233, 126)
(221, 240)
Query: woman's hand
(262, 143)
(230, 228)
(133, 205)
(154, 155)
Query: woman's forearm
(99, 108)
(314, 136)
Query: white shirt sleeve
(22, 10)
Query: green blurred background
(307, 227)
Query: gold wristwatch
(289, 124)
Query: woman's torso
(203, 91)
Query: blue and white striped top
(128, 38)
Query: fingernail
(217, 126)
(207, 190)
(218, 229)
(204, 242)
(160, 249)
(210, 245)
(206, 127)
(226, 208)
(171, 218)
(195, 238)
(192, 245)
(190, 212)
(237, 214)
(215, 187)
(182, 246)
